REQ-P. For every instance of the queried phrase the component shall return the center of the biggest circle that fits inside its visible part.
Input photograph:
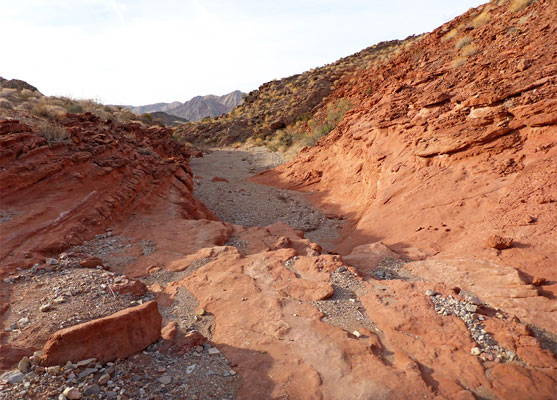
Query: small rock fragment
(103, 379)
(165, 379)
(213, 351)
(471, 308)
(357, 334)
(72, 393)
(499, 242)
(476, 351)
(92, 390)
(430, 292)
(45, 307)
(24, 365)
(12, 377)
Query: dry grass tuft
(53, 132)
(519, 5)
(470, 50)
(463, 41)
(482, 19)
(460, 61)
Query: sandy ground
(240, 202)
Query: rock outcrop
(65, 192)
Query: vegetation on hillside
(289, 113)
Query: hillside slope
(284, 104)
(450, 143)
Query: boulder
(116, 336)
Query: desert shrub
(481, 20)
(519, 5)
(6, 104)
(25, 94)
(470, 50)
(147, 117)
(52, 132)
(44, 110)
(74, 108)
(463, 41)
(460, 61)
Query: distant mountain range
(195, 109)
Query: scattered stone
(24, 365)
(87, 372)
(72, 393)
(12, 377)
(45, 307)
(35, 360)
(103, 379)
(471, 308)
(165, 379)
(51, 261)
(430, 292)
(538, 281)
(213, 351)
(499, 242)
(92, 390)
(357, 334)
(23, 321)
(190, 368)
(85, 363)
(476, 351)
(59, 300)
(340, 269)
(200, 312)
(54, 370)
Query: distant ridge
(196, 108)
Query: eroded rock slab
(106, 339)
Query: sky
(138, 52)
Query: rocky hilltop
(424, 266)
(197, 108)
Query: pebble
(200, 312)
(430, 292)
(340, 269)
(213, 351)
(357, 334)
(471, 308)
(12, 376)
(54, 370)
(92, 390)
(23, 321)
(104, 379)
(24, 365)
(72, 393)
(87, 372)
(190, 368)
(51, 261)
(85, 363)
(45, 307)
(165, 379)
(476, 351)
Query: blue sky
(140, 52)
